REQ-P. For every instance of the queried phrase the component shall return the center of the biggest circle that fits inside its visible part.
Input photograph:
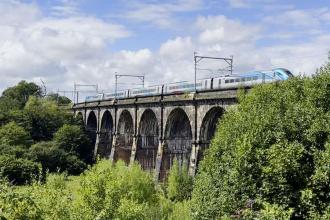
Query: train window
(205, 83)
(255, 78)
(237, 80)
(227, 81)
(232, 80)
(243, 79)
(219, 82)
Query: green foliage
(17, 205)
(13, 134)
(60, 100)
(16, 151)
(27, 118)
(181, 211)
(267, 212)
(17, 170)
(8, 104)
(22, 91)
(180, 183)
(46, 117)
(72, 138)
(109, 192)
(54, 159)
(271, 148)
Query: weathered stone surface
(179, 126)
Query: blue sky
(87, 41)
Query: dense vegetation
(270, 159)
(39, 135)
(271, 155)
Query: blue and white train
(216, 83)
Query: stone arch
(91, 129)
(188, 110)
(177, 141)
(124, 138)
(106, 135)
(148, 138)
(208, 128)
(91, 126)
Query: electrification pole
(117, 76)
(197, 59)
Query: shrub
(111, 192)
(54, 159)
(180, 183)
(16, 151)
(17, 205)
(13, 134)
(17, 170)
(72, 138)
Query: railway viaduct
(156, 130)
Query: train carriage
(118, 95)
(93, 98)
(222, 82)
(148, 91)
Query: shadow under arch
(105, 141)
(177, 142)
(124, 138)
(148, 138)
(208, 129)
(91, 129)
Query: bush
(46, 118)
(17, 170)
(72, 138)
(17, 205)
(13, 134)
(16, 151)
(273, 148)
(54, 159)
(180, 183)
(112, 192)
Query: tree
(72, 138)
(60, 100)
(270, 155)
(54, 159)
(13, 134)
(46, 118)
(22, 91)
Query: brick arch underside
(106, 135)
(124, 138)
(177, 141)
(148, 138)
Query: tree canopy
(22, 91)
(270, 153)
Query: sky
(62, 42)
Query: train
(217, 83)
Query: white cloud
(177, 48)
(160, 14)
(77, 48)
(55, 49)
(219, 29)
